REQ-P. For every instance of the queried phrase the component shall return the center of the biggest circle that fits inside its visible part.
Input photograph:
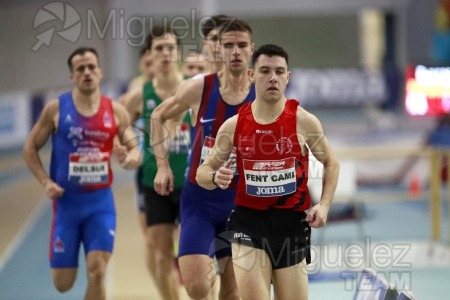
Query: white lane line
(24, 231)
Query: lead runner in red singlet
(269, 229)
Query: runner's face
(86, 74)
(146, 66)
(193, 65)
(164, 53)
(236, 49)
(270, 75)
(211, 46)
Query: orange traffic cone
(414, 187)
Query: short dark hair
(80, 51)
(192, 52)
(214, 22)
(157, 32)
(235, 24)
(142, 51)
(269, 50)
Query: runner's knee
(198, 288)
(63, 281)
(96, 270)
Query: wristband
(213, 176)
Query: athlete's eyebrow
(264, 67)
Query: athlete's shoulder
(301, 112)
(194, 82)
(190, 90)
(307, 120)
(118, 108)
(134, 97)
(50, 113)
(198, 76)
(229, 126)
(52, 107)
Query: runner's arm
(127, 152)
(132, 101)
(173, 108)
(37, 138)
(212, 173)
(311, 132)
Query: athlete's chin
(236, 71)
(272, 98)
(238, 66)
(167, 68)
(88, 90)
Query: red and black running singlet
(273, 171)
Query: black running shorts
(161, 209)
(283, 234)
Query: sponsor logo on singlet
(283, 145)
(80, 133)
(75, 132)
(242, 236)
(246, 145)
(68, 119)
(58, 245)
(107, 120)
(203, 121)
(150, 103)
(263, 131)
(268, 178)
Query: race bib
(87, 168)
(268, 178)
(208, 145)
(182, 140)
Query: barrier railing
(436, 159)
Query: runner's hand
(120, 152)
(164, 181)
(53, 190)
(317, 216)
(224, 176)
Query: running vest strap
(273, 171)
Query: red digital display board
(427, 90)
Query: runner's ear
(250, 74)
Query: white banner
(15, 118)
(335, 87)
